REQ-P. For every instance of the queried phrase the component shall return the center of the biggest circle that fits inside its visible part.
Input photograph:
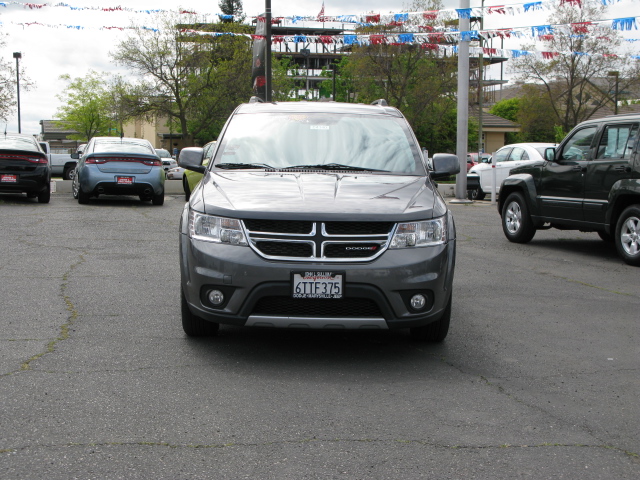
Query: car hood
(318, 196)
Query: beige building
(157, 131)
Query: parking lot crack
(72, 316)
(305, 441)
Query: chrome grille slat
(320, 241)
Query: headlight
(216, 229)
(420, 234)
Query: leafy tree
(195, 81)
(232, 7)
(85, 106)
(576, 82)
(8, 89)
(507, 108)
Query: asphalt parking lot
(539, 377)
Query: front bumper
(258, 292)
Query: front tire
(187, 190)
(436, 331)
(476, 194)
(627, 236)
(193, 325)
(516, 221)
(68, 173)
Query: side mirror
(445, 165)
(191, 158)
(75, 156)
(549, 154)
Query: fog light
(418, 301)
(216, 297)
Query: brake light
(35, 159)
(101, 160)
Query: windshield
(319, 140)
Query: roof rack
(255, 99)
(381, 101)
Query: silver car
(119, 166)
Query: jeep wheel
(195, 326)
(516, 221)
(627, 236)
(436, 331)
(476, 194)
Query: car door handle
(579, 168)
(623, 168)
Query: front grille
(314, 307)
(285, 249)
(322, 241)
(358, 228)
(279, 226)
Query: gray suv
(317, 215)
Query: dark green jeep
(590, 182)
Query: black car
(590, 182)
(24, 167)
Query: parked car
(317, 215)
(175, 173)
(479, 177)
(24, 167)
(191, 178)
(590, 182)
(168, 162)
(119, 166)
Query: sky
(50, 49)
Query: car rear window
(283, 140)
(18, 143)
(122, 147)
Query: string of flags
(364, 19)
(427, 36)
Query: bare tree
(8, 89)
(575, 73)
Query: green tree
(507, 108)
(85, 106)
(575, 82)
(232, 7)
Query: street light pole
(18, 56)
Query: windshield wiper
(337, 166)
(233, 166)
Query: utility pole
(463, 108)
(267, 53)
(18, 56)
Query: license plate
(124, 180)
(8, 178)
(317, 284)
